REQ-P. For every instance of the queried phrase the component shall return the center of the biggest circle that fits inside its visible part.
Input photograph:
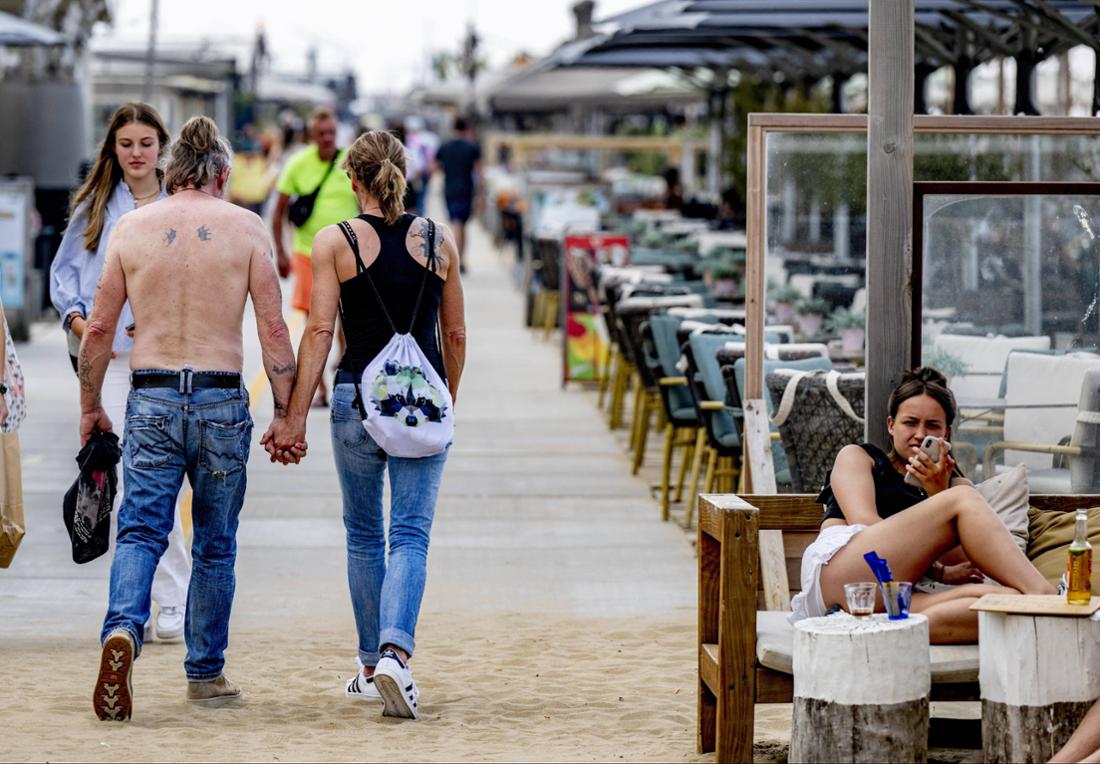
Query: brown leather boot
(213, 693)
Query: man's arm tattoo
(170, 237)
(204, 233)
(85, 375)
(288, 369)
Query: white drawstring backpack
(406, 407)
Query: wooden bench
(750, 556)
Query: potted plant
(811, 316)
(849, 324)
(784, 299)
(949, 364)
(724, 272)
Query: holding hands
(285, 440)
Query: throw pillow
(1051, 532)
(1007, 493)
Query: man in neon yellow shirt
(335, 202)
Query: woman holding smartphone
(941, 527)
(124, 177)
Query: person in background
(308, 171)
(252, 174)
(673, 198)
(124, 177)
(460, 160)
(421, 145)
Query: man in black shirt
(460, 160)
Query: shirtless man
(187, 266)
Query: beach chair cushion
(775, 650)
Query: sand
(512, 688)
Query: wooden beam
(889, 203)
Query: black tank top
(892, 493)
(398, 277)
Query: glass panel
(815, 244)
(1011, 285)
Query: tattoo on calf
(204, 233)
(170, 237)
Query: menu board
(583, 347)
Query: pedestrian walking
(460, 160)
(414, 286)
(322, 196)
(125, 176)
(187, 265)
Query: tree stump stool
(861, 689)
(1039, 674)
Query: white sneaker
(170, 622)
(362, 688)
(395, 684)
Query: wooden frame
(897, 344)
(745, 559)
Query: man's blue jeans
(386, 597)
(204, 435)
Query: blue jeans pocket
(224, 447)
(148, 442)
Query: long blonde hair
(377, 161)
(199, 155)
(107, 172)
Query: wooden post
(889, 204)
(1039, 676)
(861, 689)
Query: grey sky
(386, 43)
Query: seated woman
(943, 528)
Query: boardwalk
(558, 624)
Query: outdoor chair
(814, 424)
(719, 442)
(985, 359)
(631, 315)
(547, 297)
(803, 361)
(1074, 467)
(683, 426)
(749, 557)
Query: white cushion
(985, 360)
(1007, 493)
(775, 650)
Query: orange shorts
(302, 267)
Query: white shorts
(809, 603)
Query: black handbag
(301, 207)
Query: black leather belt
(186, 380)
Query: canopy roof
(18, 32)
(817, 38)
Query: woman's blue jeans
(385, 594)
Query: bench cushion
(775, 649)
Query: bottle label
(1080, 574)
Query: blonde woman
(125, 176)
(411, 275)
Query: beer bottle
(1080, 562)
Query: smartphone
(930, 446)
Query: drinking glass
(861, 598)
(896, 596)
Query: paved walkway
(558, 623)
